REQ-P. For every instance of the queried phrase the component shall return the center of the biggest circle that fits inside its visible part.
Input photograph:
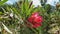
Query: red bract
(35, 20)
(30, 19)
(38, 19)
(35, 14)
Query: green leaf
(2, 2)
(1, 13)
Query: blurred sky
(11, 1)
(52, 2)
(36, 2)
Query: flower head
(35, 20)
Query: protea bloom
(35, 20)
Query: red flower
(35, 14)
(35, 20)
(30, 19)
(38, 19)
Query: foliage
(2, 2)
(14, 17)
